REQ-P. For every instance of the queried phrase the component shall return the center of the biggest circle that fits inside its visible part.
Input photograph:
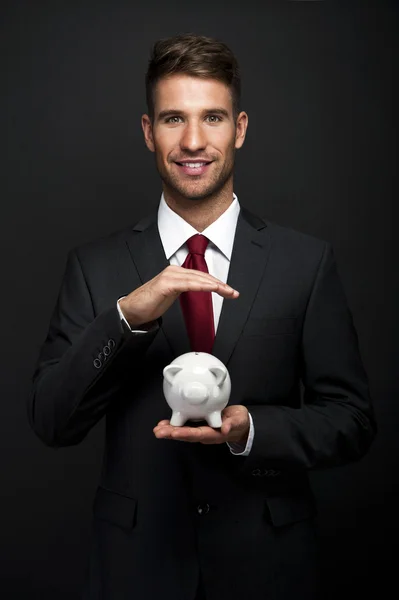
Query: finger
(192, 433)
(163, 431)
(183, 272)
(188, 434)
(208, 435)
(163, 423)
(204, 435)
(198, 276)
(158, 427)
(201, 285)
(172, 431)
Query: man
(194, 512)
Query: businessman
(192, 512)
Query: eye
(171, 119)
(214, 118)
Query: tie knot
(197, 244)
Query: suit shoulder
(101, 245)
(111, 243)
(284, 235)
(294, 239)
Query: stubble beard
(193, 191)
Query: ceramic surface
(196, 386)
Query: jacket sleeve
(335, 424)
(82, 363)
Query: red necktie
(197, 306)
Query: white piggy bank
(196, 386)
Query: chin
(193, 194)
(197, 196)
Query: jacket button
(97, 363)
(107, 350)
(111, 343)
(203, 509)
(272, 473)
(256, 472)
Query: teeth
(193, 165)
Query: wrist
(244, 438)
(134, 322)
(124, 309)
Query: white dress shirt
(174, 232)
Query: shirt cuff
(237, 448)
(152, 325)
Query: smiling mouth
(195, 163)
(193, 168)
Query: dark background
(319, 157)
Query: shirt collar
(175, 231)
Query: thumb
(226, 426)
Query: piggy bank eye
(219, 373)
(216, 391)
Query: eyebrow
(179, 113)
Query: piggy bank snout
(195, 392)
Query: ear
(170, 372)
(220, 374)
(146, 124)
(241, 129)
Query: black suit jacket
(165, 509)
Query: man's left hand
(235, 428)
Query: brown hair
(197, 56)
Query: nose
(195, 393)
(193, 138)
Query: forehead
(187, 93)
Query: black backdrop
(319, 157)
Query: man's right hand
(151, 300)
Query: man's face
(194, 135)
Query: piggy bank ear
(220, 374)
(170, 371)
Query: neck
(202, 212)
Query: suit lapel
(148, 255)
(248, 261)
